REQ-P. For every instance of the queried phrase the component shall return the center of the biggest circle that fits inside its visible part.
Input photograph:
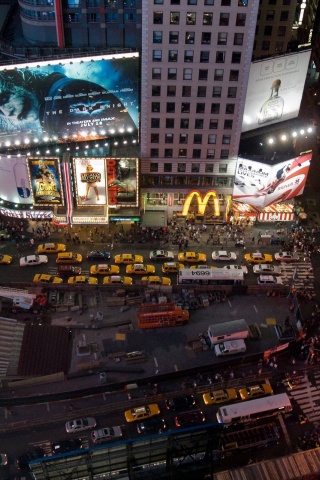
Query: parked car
(33, 260)
(286, 256)
(265, 268)
(161, 255)
(106, 434)
(141, 413)
(255, 391)
(258, 257)
(220, 396)
(80, 424)
(151, 426)
(66, 446)
(51, 248)
(22, 462)
(224, 256)
(191, 257)
(98, 255)
(188, 419)
(180, 403)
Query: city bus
(254, 409)
(210, 276)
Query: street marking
(48, 406)
(176, 368)
(155, 362)
(230, 304)
(255, 309)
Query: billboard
(275, 89)
(261, 185)
(123, 185)
(45, 179)
(90, 180)
(14, 180)
(69, 100)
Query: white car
(269, 280)
(161, 255)
(31, 260)
(106, 434)
(286, 256)
(244, 268)
(265, 268)
(223, 255)
(80, 424)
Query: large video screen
(275, 89)
(45, 177)
(90, 175)
(14, 180)
(122, 174)
(69, 100)
(261, 185)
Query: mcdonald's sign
(202, 202)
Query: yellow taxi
(82, 279)
(104, 269)
(192, 257)
(220, 396)
(171, 267)
(5, 259)
(43, 278)
(141, 413)
(51, 248)
(140, 269)
(128, 258)
(258, 257)
(260, 390)
(69, 257)
(202, 267)
(155, 280)
(117, 280)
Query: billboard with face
(70, 101)
(45, 178)
(14, 180)
(122, 176)
(90, 176)
(261, 185)
(275, 89)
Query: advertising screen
(122, 175)
(275, 90)
(261, 185)
(14, 180)
(70, 99)
(45, 176)
(90, 176)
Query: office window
(203, 74)
(157, 37)
(215, 107)
(228, 124)
(191, 18)
(223, 167)
(183, 138)
(242, 3)
(185, 107)
(265, 45)
(220, 57)
(192, 2)
(238, 39)
(216, 92)
(210, 154)
(174, 18)
(167, 167)
(218, 75)
(171, 106)
(212, 138)
(184, 123)
(198, 123)
(282, 31)
(236, 57)
(209, 2)
(110, 17)
(182, 153)
(186, 91)
(158, 2)
(153, 167)
(230, 108)
(168, 152)
(232, 92)
(157, 18)
(129, 3)
(224, 19)
(171, 91)
(286, 2)
(207, 19)
(155, 122)
(181, 167)
(187, 74)
(268, 30)
(241, 19)
(173, 37)
(201, 91)
(196, 153)
(200, 107)
(284, 15)
(129, 18)
(154, 153)
(157, 55)
(197, 138)
(156, 90)
(155, 107)
(272, 2)
(213, 124)
(208, 168)
(108, 3)
(195, 167)
(270, 15)
(224, 154)
(168, 137)
(189, 38)
(173, 56)
(188, 56)
(172, 74)
(204, 57)
(222, 38)
(175, 2)
(169, 122)
(93, 17)
(206, 38)
(156, 73)
(234, 75)
(154, 138)
(279, 46)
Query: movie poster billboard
(15, 184)
(122, 176)
(260, 185)
(70, 100)
(275, 89)
(45, 178)
(90, 179)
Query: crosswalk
(299, 274)
(307, 396)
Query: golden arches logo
(202, 202)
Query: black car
(188, 419)
(68, 271)
(22, 462)
(97, 255)
(66, 445)
(154, 425)
(179, 403)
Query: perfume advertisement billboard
(275, 89)
(260, 185)
(70, 100)
(45, 178)
(14, 180)
(123, 185)
(90, 181)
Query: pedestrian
(252, 240)
(129, 396)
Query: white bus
(254, 409)
(210, 276)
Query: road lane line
(255, 309)
(155, 362)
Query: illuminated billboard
(90, 176)
(69, 100)
(122, 176)
(14, 180)
(45, 178)
(261, 185)
(275, 89)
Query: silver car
(106, 434)
(265, 268)
(161, 255)
(80, 424)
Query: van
(69, 257)
(269, 280)
(230, 348)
